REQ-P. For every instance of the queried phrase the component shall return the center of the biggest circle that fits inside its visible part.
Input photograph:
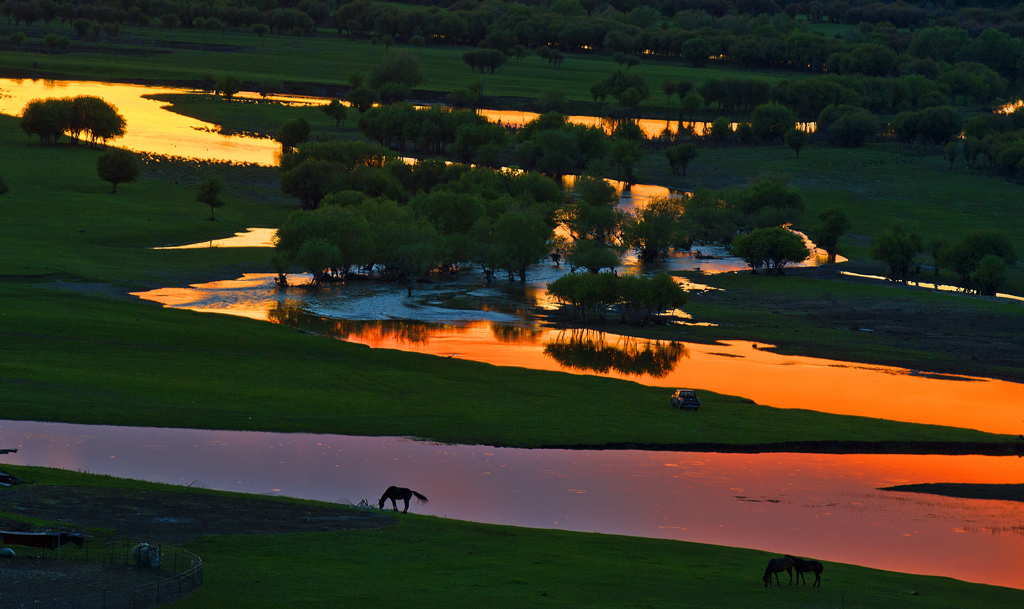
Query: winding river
(826, 506)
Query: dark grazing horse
(394, 493)
(807, 566)
(774, 566)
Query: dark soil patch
(175, 516)
(159, 517)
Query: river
(825, 506)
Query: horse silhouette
(807, 566)
(774, 566)
(394, 493)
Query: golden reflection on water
(928, 286)
(150, 126)
(251, 237)
(750, 370)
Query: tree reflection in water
(589, 350)
(507, 334)
(403, 330)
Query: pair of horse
(397, 493)
(788, 563)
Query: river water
(825, 506)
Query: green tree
(520, 238)
(590, 212)
(770, 121)
(680, 155)
(833, 223)
(45, 118)
(626, 154)
(402, 67)
(228, 86)
(208, 193)
(897, 248)
(652, 230)
(990, 274)
(292, 133)
(690, 103)
(117, 166)
(847, 126)
(771, 248)
(318, 256)
(965, 256)
(796, 140)
(362, 98)
(310, 181)
(336, 110)
(17, 39)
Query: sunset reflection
(150, 126)
(823, 506)
(750, 370)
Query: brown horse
(395, 493)
(774, 566)
(807, 566)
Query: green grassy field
(158, 55)
(436, 562)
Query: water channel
(825, 506)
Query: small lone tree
(117, 166)
(897, 248)
(335, 110)
(826, 235)
(293, 133)
(228, 86)
(680, 155)
(796, 139)
(208, 193)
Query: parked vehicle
(686, 399)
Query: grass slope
(439, 563)
(185, 55)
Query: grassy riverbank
(436, 562)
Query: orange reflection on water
(783, 381)
(736, 368)
(150, 126)
(824, 506)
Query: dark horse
(394, 493)
(806, 566)
(774, 566)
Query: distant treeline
(891, 38)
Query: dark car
(685, 398)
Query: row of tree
(980, 259)
(87, 115)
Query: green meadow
(174, 56)
(441, 563)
